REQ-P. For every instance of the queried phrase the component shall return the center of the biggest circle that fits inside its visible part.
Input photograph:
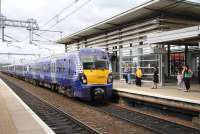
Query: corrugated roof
(150, 8)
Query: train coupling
(98, 91)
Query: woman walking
(187, 74)
(155, 78)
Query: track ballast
(59, 121)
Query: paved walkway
(16, 117)
(167, 92)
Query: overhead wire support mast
(29, 24)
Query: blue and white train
(85, 73)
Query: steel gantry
(30, 25)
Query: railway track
(59, 121)
(153, 123)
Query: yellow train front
(95, 79)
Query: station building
(162, 33)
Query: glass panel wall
(142, 57)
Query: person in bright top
(138, 76)
(187, 75)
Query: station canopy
(187, 36)
(150, 8)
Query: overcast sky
(43, 10)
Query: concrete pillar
(120, 62)
(162, 66)
(139, 52)
(168, 60)
(161, 71)
(186, 54)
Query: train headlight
(110, 78)
(83, 78)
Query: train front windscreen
(94, 60)
(95, 66)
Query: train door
(53, 70)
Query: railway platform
(16, 116)
(168, 95)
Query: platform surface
(16, 117)
(166, 92)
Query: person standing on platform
(180, 79)
(198, 70)
(138, 76)
(187, 74)
(155, 78)
(127, 71)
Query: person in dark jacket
(155, 78)
(187, 74)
